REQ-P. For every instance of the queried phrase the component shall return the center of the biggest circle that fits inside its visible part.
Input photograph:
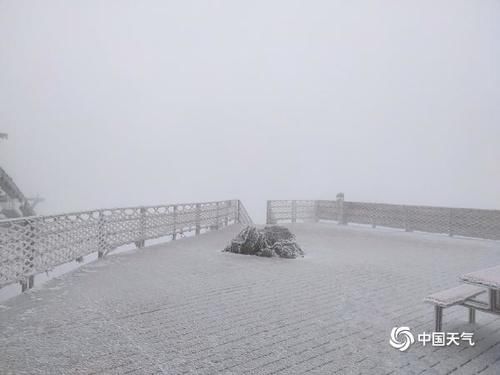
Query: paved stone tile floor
(185, 307)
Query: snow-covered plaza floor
(186, 307)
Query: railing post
(174, 233)
(407, 219)
(237, 213)
(31, 279)
(217, 213)
(294, 211)
(340, 208)
(226, 213)
(101, 236)
(268, 213)
(29, 257)
(450, 223)
(197, 219)
(142, 220)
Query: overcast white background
(118, 103)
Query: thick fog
(120, 103)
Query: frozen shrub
(267, 242)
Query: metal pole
(472, 315)
(492, 299)
(439, 318)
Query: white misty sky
(118, 103)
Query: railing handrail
(393, 204)
(97, 210)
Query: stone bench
(451, 297)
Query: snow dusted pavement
(186, 307)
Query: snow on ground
(186, 307)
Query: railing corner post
(340, 209)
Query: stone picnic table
(490, 279)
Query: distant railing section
(243, 216)
(36, 244)
(466, 222)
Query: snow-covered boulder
(272, 240)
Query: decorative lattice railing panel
(387, 215)
(283, 210)
(453, 221)
(327, 210)
(37, 244)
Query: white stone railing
(31, 245)
(468, 222)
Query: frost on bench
(489, 277)
(271, 241)
(454, 296)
